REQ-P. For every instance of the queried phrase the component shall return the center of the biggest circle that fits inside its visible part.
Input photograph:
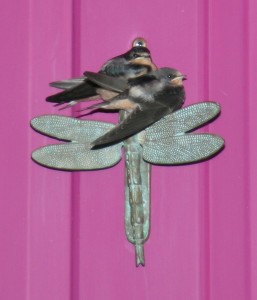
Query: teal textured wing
(182, 149)
(70, 129)
(76, 154)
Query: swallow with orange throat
(135, 62)
(147, 99)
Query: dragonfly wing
(183, 120)
(110, 83)
(70, 129)
(74, 156)
(182, 149)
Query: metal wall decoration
(168, 141)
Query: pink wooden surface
(61, 233)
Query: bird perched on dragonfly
(136, 62)
(147, 99)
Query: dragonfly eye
(139, 42)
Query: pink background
(61, 233)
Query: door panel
(62, 233)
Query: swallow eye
(170, 76)
(135, 55)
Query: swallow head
(173, 76)
(140, 55)
(137, 54)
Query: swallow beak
(147, 56)
(143, 56)
(144, 59)
(177, 81)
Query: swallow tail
(81, 91)
(68, 83)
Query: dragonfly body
(137, 196)
(165, 142)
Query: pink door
(62, 233)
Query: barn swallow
(148, 98)
(136, 62)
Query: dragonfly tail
(140, 258)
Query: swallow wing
(76, 154)
(107, 82)
(68, 83)
(137, 120)
(183, 120)
(166, 142)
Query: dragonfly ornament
(166, 139)
(169, 141)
